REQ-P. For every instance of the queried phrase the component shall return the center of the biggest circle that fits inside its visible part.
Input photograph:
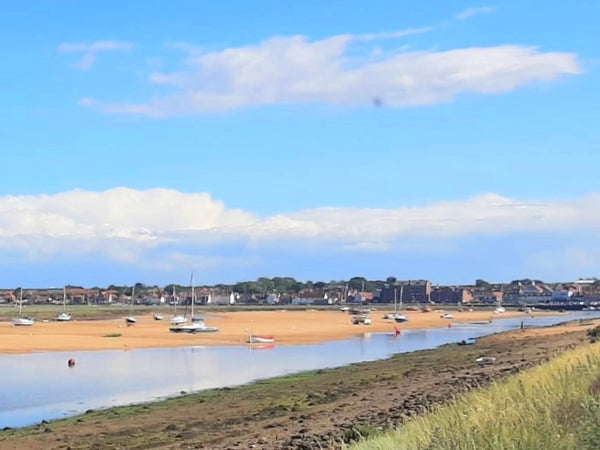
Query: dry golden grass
(553, 406)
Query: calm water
(40, 386)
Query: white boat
(64, 316)
(499, 310)
(158, 316)
(130, 319)
(177, 320)
(399, 318)
(447, 316)
(357, 319)
(197, 324)
(260, 339)
(22, 321)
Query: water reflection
(41, 386)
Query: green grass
(112, 335)
(553, 406)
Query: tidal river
(41, 386)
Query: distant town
(580, 294)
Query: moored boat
(64, 316)
(361, 318)
(130, 319)
(22, 321)
(197, 324)
(260, 339)
(195, 327)
(399, 318)
(177, 320)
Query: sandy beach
(288, 328)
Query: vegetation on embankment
(320, 409)
(555, 405)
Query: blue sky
(443, 140)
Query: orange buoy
(71, 362)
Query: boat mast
(20, 301)
(174, 301)
(192, 283)
(401, 291)
(64, 298)
(395, 308)
(132, 297)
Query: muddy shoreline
(289, 327)
(318, 409)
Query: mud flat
(288, 326)
(318, 409)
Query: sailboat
(391, 315)
(499, 308)
(64, 316)
(22, 321)
(398, 317)
(197, 324)
(130, 319)
(177, 319)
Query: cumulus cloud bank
(123, 223)
(343, 70)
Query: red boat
(260, 339)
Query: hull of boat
(63, 317)
(253, 339)
(22, 322)
(131, 320)
(158, 317)
(177, 320)
(399, 318)
(193, 328)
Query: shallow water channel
(40, 386)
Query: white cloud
(86, 101)
(124, 224)
(89, 51)
(470, 12)
(343, 70)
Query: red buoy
(397, 330)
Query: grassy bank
(553, 406)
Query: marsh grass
(553, 406)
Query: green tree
(357, 283)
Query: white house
(272, 299)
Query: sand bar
(288, 328)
